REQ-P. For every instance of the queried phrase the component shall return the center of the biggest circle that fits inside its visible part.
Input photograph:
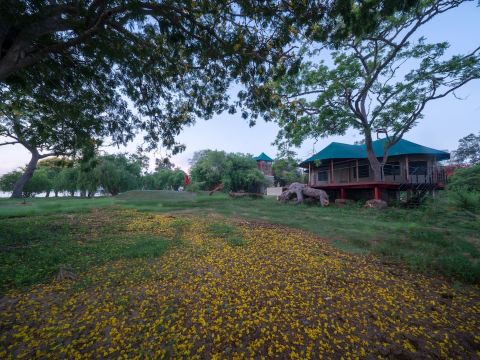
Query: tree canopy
(468, 149)
(379, 82)
(286, 171)
(235, 171)
(68, 69)
(164, 179)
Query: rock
(376, 204)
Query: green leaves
(378, 76)
(235, 171)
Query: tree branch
(9, 143)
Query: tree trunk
(26, 176)
(372, 159)
(56, 193)
(47, 193)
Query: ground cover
(437, 239)
(233, 288)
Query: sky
(445, 121)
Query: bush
(466, 200)
(465, 179)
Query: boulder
(376, 204)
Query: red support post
(342, 193)
(377, 193)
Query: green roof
(263, 157)
(402, 147)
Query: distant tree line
(109, 174)
(113, 174)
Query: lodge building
(343, 170)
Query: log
(302, 191)
(216, 188)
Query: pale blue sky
(446, 120)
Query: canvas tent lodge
(344, 172)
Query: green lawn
(38, 237)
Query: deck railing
(415, 175)
(347, 174)
(428, 175)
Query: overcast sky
(446, 120)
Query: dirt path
(280, 293)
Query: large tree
(56, 34)
(64, 122)
(236, 171)
(67, 69)
(286, 171)
(173, 61)
(468, 149)
(379, 81)
(117, 173)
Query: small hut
(264, 164)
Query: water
(4, 194)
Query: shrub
(466, 200)
(465, 179)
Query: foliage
(379, 82)
(161, 59)
(117, 173)
(40, 182)
(8, 180)
(235, 171)
(163, 163)
(286, 171)
(465, 179)
(67, 180)
(164, 179)
(53, 166)
(466, 200)
(161, 56)
(468, 149)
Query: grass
(227, 289)
(440, 238)
(227, 232)
(34, 248)
(178, 275)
